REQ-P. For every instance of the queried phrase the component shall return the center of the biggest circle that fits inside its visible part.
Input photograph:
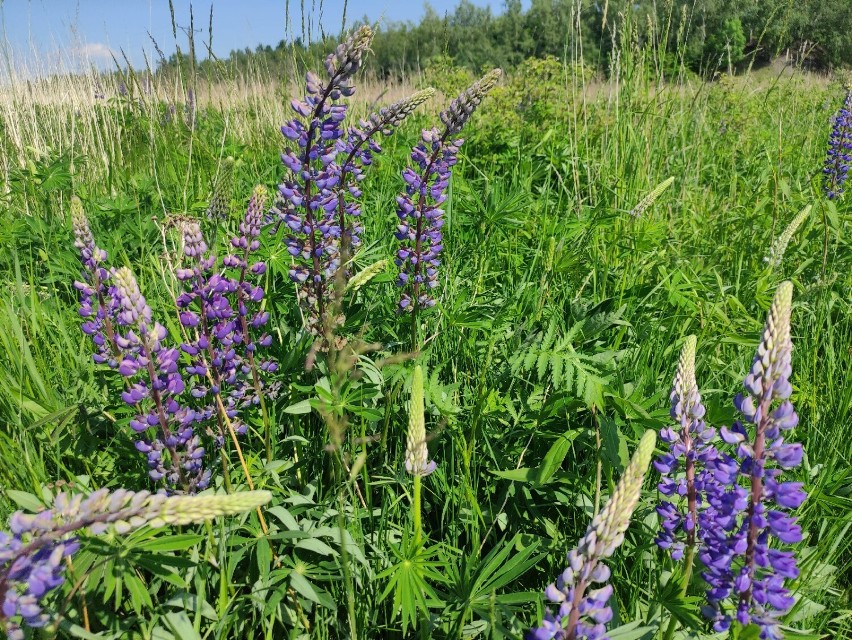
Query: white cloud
(96, 51)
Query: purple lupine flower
(583, 613)
(32, 553)
(359, 146)
(249, 296)
(93, 288)
(740, 567)
(153, 386)
(205, 311)
(839, 155)
(419, 212)
(688, 446)
(308, 202)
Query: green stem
(415, 507)
(687, 574)
(344, 555)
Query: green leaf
(317, 546)
(181, 625)
(26, 501)
(264, 556)
(524, 474)
(613, 443)
(302, 586)
(139, 596)
(631, 631)
(299, 408)
(555, 456)
(180, 542)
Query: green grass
(553, 300)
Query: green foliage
(556, 322)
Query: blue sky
(50, 28)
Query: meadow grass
(560, 317)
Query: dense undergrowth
(550, 351)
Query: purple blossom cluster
(319, 201)
(93, 288)
(359, 146)
(27, 575)
(749, 505)
(154, 385)
(419, 207)
(310, 197)
(421, 218)
(223, 322)
(683, 466)
(839, 155)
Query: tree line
(703, 36)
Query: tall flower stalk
(169, 441)
(94, 289)
(419, 207)
(250, 296)
(839, 155)
(583, 612)
(308, 203)
(750, 505)
(683, 468)
(33, 552)
(223, 322)
(319, 199)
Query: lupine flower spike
(93, 288)
(746, 577)
(689, 449)
(839, 155)
(33, 551)
(583, 612)
(419, 212)
(359, 147)
(223, 186)
(417, 461)
(651, 198)
(173, 449)
(309, 198)
(319, 200)
(779, 247)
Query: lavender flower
(689, 446)
(32, 552)
(359, 147)
(93, 288)
(419, 212)
(223, 314)
(309, 200)
(154, 383)
(736, 549)
(583, 613)
(253, 317)
(839, 155)
(205, 312)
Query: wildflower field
(530, 353)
